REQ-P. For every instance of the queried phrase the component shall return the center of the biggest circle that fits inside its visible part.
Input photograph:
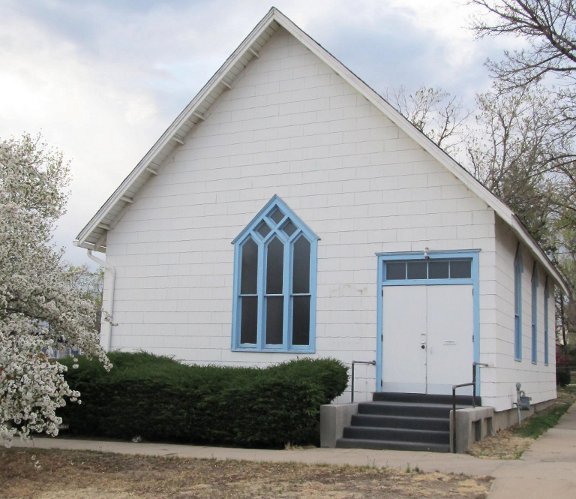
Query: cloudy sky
(102, 79)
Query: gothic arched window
(275, 283)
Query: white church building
(290, 211)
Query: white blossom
(39, 305)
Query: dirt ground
(74, 474)
(504, 445)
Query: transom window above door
(428, 269)
(275, 283)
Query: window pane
(276, 215)
(263, 229)
(460, 269)
(301, 266)
(248, 327)
(289, 228)
(417, 270)
(301, 320)
(437, 270)
(274, 320)
(274, 266)
(396, 270)
(249, 267)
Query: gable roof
(93, 235)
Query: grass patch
(511, 443)
(537, 424)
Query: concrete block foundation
(472, 425)
(333, 419)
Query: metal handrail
(454, 387)
(461, 385)
(354, 362)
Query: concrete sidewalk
(426, 461)
(547, 469)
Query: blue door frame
(474, 280)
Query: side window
(518, 269)
(275, 281)
(534, 314)
(546, 332)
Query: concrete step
(405, 409)
(396, 434)
(403, 421)
(353, 443)
(416, 423)
(423, 398)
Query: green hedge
(160, 399)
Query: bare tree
(512, 151)
(544, 68)
(549, 57)
(435, 112)
(549, 27)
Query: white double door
(427, 338)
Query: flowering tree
(40, 306)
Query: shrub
(158, 398)
(329, 373)
(563, 376)
(563, 363)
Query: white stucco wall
(289, 126)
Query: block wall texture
(538, 379)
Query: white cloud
(47, 87)
(102, 80)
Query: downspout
(108, 315)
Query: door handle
(423, 346)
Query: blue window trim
(534, 305)
(518, 270)
(546, 330)
(302, 230)
(474, 280)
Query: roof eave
(520, 229)
(166, 142)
